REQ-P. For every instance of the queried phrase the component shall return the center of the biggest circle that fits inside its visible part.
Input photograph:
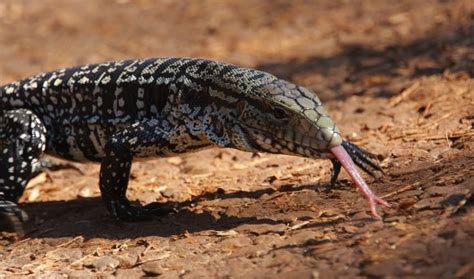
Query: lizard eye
(279, 113)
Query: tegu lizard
(113, 112)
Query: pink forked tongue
(341, 155)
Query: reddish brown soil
(397, 76)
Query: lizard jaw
(343, 157)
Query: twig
(407, 92)
(71, 241)
(161, 257)
(406, 188)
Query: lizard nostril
(330, 136)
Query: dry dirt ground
(397, 76)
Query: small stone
(350, 229)
(50, 275)
(265, 228)
(414, 251)
(381, 269)
(79, 274)
(268, 239)
(328, 213)
(128, 273)
(152, 268)
(175, 161)
(410, 194)
(64, 254)
(270, 179)
(232, 244)
(102, 263)
(432, 203)
(302, 236)
(127, 260)
(21, 261)
(86, 192)
(175, 193)
(439, 190)
(392, 219)
(361, 215)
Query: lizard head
(281, 117)
(276, 116)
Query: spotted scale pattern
(114, 112)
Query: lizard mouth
(292, 143)
(289, 142)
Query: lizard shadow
(88, 217)
(220, 210)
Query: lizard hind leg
(139, 140)
(22, 141)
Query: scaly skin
(114, 112)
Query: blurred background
(341, 46)
(397, 77)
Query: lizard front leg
(22, 141)
(142, 139)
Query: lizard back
(81, 107)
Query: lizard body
(117, 111)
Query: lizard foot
(124, 211)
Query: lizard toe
(124, 211)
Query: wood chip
(33, 194)
(227, 233)
(175, 161)
(298, 225)
(39, 179)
